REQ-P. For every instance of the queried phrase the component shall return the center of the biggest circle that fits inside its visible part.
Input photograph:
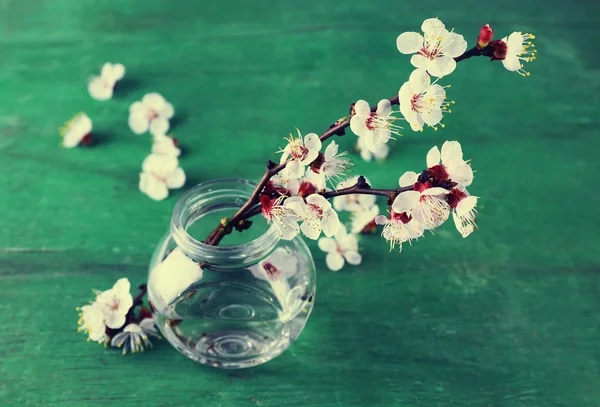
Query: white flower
(451, 158)
(284, 218)
(435, 50)
(301, 152)
(333, 166)
(343, 247)
(134, 338)
(280, 265)
(352, 202)
(518, 48)
(464, 215)
(425, 204)
(115, 303)
(375, 127)
(364, 218)
(101, 87)
(91, 321)
(422, 102)
(368, 155)
(76, 131)
(159, 174)
(316, 215)
(165, 145)
(152, 113)
(399, 228)
(463, 210)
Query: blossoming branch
(293, 194)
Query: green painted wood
(506, 318)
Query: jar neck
(208, 198)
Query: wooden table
(508, 317)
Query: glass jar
(229, 306)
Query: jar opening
(200, 209)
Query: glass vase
(235, 305)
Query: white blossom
(375, 127)
(399, 228)
(316, 215)
(165, 145)
(159, 174)
(451, 157)
(381, 153)
(464, 215)
(152, 114)
(352, 202)
(425, 204)
(115, 303)
(341, 248)
(332, 167)
(134, 338)
(422, 102)
(280, 265)
(76, 131)
(283, 217)
(362, 218)
(435, 50)
(518, 48)
(101, 87)
(91, 321)
(301, 152)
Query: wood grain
(506, 318)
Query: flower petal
(432, 116)
(442, 66)
(512, 63)
(153, 187)
(319, 200)
(384, 107)
(406, 201)
(433, 157)
(431, 25)
(353, 257)
(330, 222)
(419, 80)
(311, 228)
(358, 125)
(327, 244)
(452, 153)
(381, 220)
(466, 205)
(294, 169)
(405, 93)
(362, 108)
(409, 42)
(312, 141)
(419, 61)
(331, 150)
(159, 126)
(138, 123)
(435, 191)
(166, 110)
(176, 179)
(114, 320)
(99, 89)
(408, 178)
(334, 261)
(453, 45)
(153, 101)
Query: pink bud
(485, 35)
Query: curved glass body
(228, 306)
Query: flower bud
(485, 35)
(499, 47)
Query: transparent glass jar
(230, 306)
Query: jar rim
(203, 194)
